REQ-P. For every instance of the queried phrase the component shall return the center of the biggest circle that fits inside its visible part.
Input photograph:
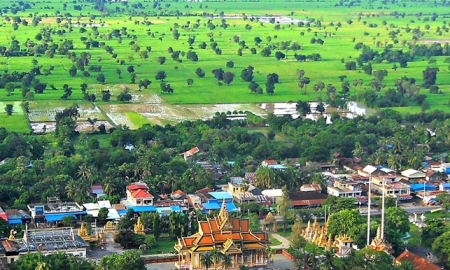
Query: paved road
(409, 209)
(284, 242)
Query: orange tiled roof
(137, 186)
(418, 262)
(140, 193)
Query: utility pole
(369, 202)
(382, 208)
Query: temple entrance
(270, 223)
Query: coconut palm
(207, 260)
(226, 261)
(329, 261)
(215, 256)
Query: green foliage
(33, 261)
(126, 260)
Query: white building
(138, 195)
(345, 189)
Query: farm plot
(46, 111)
(16, 122)
(161, 113)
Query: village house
(413, 175)
(345, 189)
(138, 195)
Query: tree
(161, 76)
(68, 221)
(228, 77)
(441, 246)
(343, 221)
(190, 82)
(303, 108)
(429, 76)
(444, 199)
(284, 204)
(206, 260)
(264, 177)
(200, 73)
(247, 74)
(434, 228)
(126, 260)
(166, 88)
(161, 60)
(226, 261)
(103, 213)
(73, 71)
(101, 78)
(230, 64)
(9, 109)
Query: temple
(379, 244)
(230, 236)
(319, 236)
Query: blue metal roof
(421, 187)
(58, 217)
(122, 212)
(14, 221)
(211, 206)
(215, 205)
(446, 185)
(221, 195)
(146, 208)
(176, 208)
(231, 207)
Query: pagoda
(379, 244)
(230, 236)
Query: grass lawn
(415, 239)
(274, 241)
(162, 247)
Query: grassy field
(338, 44)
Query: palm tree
(215, 256)
(42, 266)
(270, 253)
(71, 189)
(226, 261)
(84, 172)
(329, 260)
(110, 187)
(206, 260)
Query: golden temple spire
(223, 214)
(379, 232)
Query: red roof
(4, 216)
(418, 262)
(307, 202)
(137, 186)
(204, 190)
(270, 162)
(141, 194)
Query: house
(444, 187)
(431, 175)
(186, 155)
(418, 262)
(301, 199)
(178, 195)
(138, 195)
(273, 194)
(55, 210)
(97, 191)
(250, 177)
(94, 208)
(393, 189)
(434, 165)
(413, 175)
(345, 189)
(445, 168)
(311, 187)
(251, 194)
(270, 163)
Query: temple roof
(418, 262)
(231, 233)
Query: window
(138, 201)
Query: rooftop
(49, 239)
(418, 262)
